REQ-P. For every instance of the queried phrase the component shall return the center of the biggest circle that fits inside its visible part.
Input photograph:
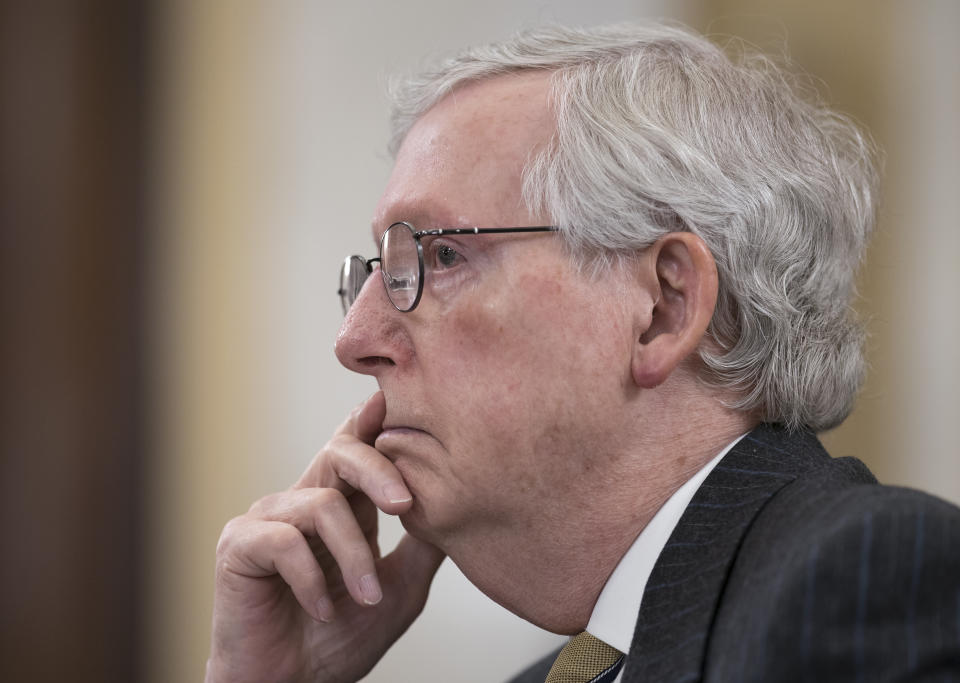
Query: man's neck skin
(550, 566)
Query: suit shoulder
(852, 581)
(848, 522)
(821, 506)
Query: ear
(681, 272)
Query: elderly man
(610, 310)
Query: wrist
(219, 671)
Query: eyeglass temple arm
(482, 231)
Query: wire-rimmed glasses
(401, 263)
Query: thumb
(414, 563)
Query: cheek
(520, 378)
(539, 335)
(507, 333)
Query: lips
(402, 429)
(398, 441)
(393, 423)
(400, 421)
(396, 428)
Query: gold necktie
(582, 659)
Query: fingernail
(325, 609)
(370, 589)
(396, 493)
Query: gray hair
(659, 130)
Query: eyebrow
(417, 216)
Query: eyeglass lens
(353, 274)
(401, 255)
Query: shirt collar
(615, 613)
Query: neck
(550, 565)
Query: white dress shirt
(615, 614)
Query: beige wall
(270, 162)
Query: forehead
(462, 161)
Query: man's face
(504, 377)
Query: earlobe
(685, 277)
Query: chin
(424, 521)
(417, 523)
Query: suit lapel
(684, 589)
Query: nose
(373, 337)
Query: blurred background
(179, 182)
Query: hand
(301, 591)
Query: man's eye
(446, 256)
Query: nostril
(371, 362)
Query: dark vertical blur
(73, 81)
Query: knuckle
(228, 537)
(314, 576)
(223, 564)
(323, 454)
(370, 469)
(286, 538)
(360, 560)
(263, 505)
(327, 500)
(235, 540)
(338, 444)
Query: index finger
(363, 424)
(366, 421)
(350, 462)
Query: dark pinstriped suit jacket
(789, 565)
